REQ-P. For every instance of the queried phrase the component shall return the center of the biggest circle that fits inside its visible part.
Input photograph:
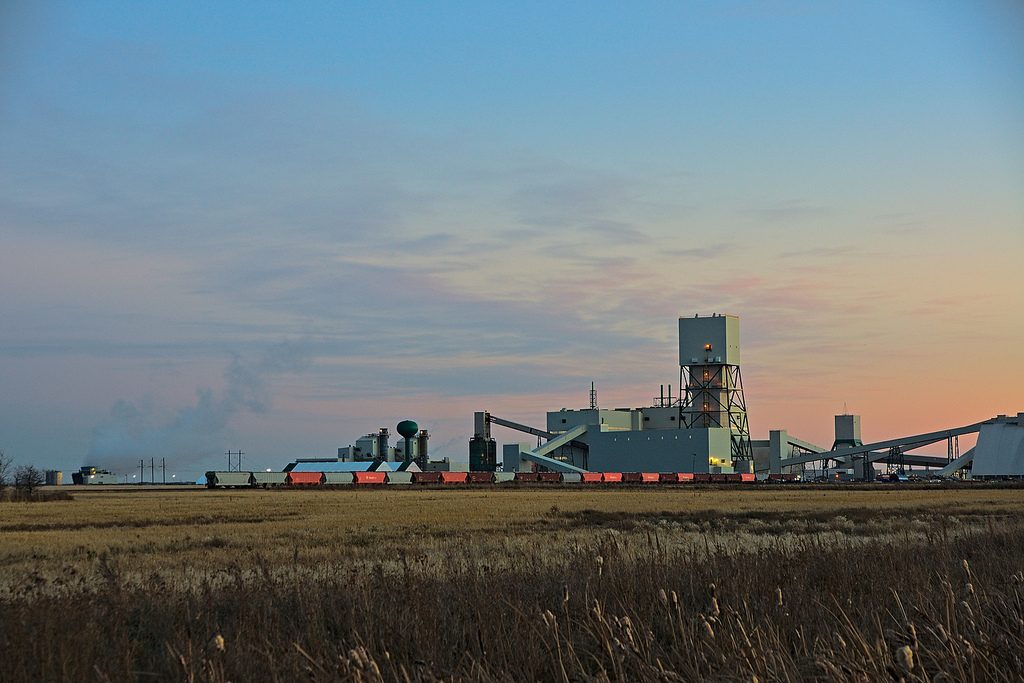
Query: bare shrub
(27, 478)
(5, 470)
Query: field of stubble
(673, 584)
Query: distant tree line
(25, 479)
(5, 470)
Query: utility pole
(152, 470)
(142, 470)
(239, 453)
(163, 467)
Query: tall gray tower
(709, 368)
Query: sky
(276, 227)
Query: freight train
(318, 479)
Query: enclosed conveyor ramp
(956, 465)
(805, 445)
(539, 455)
(484, 420)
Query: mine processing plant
(702, 430)
(705, 430)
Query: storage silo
(382, 453)
(421, 449)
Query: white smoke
(196, 431)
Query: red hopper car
(676, 477)
(640, 477)
(304, 478)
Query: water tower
(407, 429)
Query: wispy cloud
(570, 199)
(711, 251)
(616, 232)
(790, 211)
(842, 251)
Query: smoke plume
(197, 431)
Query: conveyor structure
(882, 450)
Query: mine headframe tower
(709, 369)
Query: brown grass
(660, 584)
(40, 495)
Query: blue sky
(435, 208)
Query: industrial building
(93, 475)
(999, 452)
(371, 457)
(315, 465)
(704, 430)
(374, 453)
(376, 447)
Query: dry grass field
(685, 583)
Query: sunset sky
(278, 226)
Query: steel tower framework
(714, 398)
